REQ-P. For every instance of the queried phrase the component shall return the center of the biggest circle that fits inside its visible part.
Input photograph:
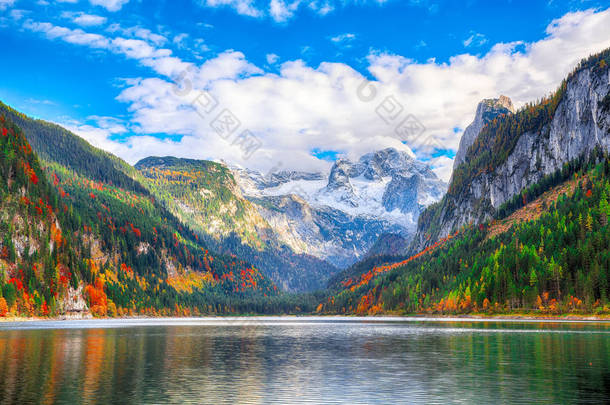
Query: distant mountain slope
(515, 151)
(552, 256)
(204, 195)
(72, 242)
(389, 244)
(338, 217)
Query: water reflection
(299, 361)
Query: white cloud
(475, 39)
(243, 7)
(342, 38)
(272, 58)
(301, 108)
(179, 39)
(442, 166)
(138, 32)
(17, 14)
(84, 20)
(37, 101)
(159, 59)
(283, 10)
(110, 5)
(76, 36)
(4, 4)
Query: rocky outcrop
(578, 125)
(487, 110)
(339, 184)
(402, 194)
(323, 232)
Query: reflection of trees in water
(238, 363)
(94, 360)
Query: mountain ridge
(514, 151)
(204, 195)
(381, 192)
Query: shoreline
(565, 318)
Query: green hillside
(52, 143)
(552, 255)
(205, 196)
(68, 234)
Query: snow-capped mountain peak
(383, 191)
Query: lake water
(304, 360)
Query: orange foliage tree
(98, 301)
(3, 307)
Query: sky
(285, 85)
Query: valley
(522, 227)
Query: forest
(556, 263)
(66, 234)
(82, 231)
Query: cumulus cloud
(272, 58)
(84, 20)
(4, 4)
(283, 10)
(300, 108)
(110, 5)
(442, 166)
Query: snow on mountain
(341, 214)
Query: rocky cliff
(516, 151)
(487, 110)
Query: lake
(304, 360)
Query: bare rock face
(74, 302)
(322, 231)
(339, 184)
(338, 217)
(402, 193)
(487, 110)
(580, 123)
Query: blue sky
(288, 71)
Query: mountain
(515, 151)
(54, 143)
(338, 217)
(205, 196)
(524, 224)
(487, 110)
(550, 256)
(75, 239)
(389, 244)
